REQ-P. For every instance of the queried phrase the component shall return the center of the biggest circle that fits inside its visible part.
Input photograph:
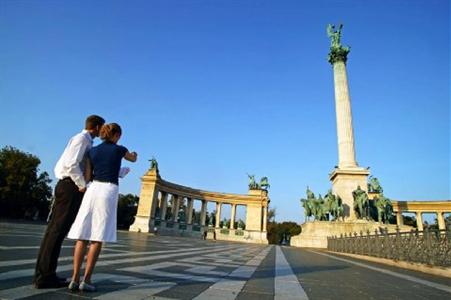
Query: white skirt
(96, 219)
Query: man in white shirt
(68, 195)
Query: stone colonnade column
(399, 219)
(174, 208)
(419, 221)
(203, 212)
(190, 211)
(441, 220)
(232, 217)
(265, 217)
(163, 205)
(218, 214)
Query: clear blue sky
(218, 89)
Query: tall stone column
(232, 217)
(218, 213)
(419, 221)
(345, 132)
(347, 176)
(203, 213)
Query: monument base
(142, 224)
(344, 182)
(314, 234)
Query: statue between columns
(263, 185)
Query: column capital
(338, 54)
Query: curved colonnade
(440, 208)
(155, 214)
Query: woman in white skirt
(96, 220)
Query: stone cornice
(348, 171)
(422, 206)
(180, 190)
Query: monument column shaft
(345, 133)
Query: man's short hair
(93, 121)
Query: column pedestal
(344, 182)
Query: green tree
(23, 190)
(126, 210)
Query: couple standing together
(85, 205)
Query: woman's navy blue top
(106, 161)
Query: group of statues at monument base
(331, 207)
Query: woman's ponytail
(108, 131)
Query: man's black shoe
(50, 285)
(63, 280)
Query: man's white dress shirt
(71, 163)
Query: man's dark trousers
(67, 203)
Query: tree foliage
(280, 232)
(126, 210)
(24, 192)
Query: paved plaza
(141, 266)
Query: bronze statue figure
(252, 184)
(334, 205)
(334, 35)
(153, 163)
(384, 208)
(361, 203)
(264, 183)
(338, 52)
(374, 185)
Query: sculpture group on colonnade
(263, 185)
